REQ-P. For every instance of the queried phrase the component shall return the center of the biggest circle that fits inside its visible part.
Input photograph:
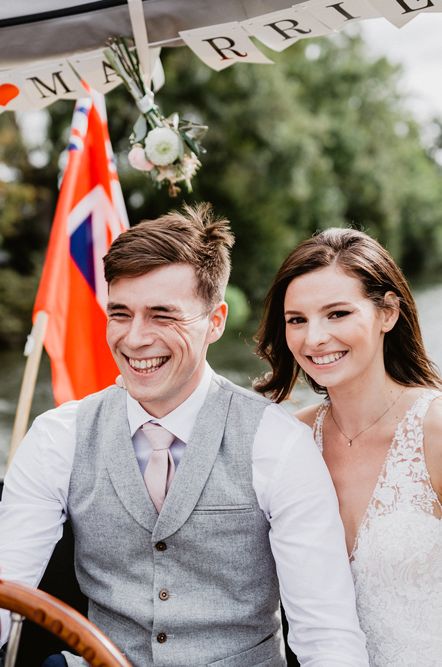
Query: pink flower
(137, 159)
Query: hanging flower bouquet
(168, 149)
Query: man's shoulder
(65, 413)
(102, 395)
(227, 385)
(110, 396)
(68, 412)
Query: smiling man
(189, 497)
(159, 330)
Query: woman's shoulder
(433, 423)
(308, 415)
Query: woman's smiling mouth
(327, 358)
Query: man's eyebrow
(169, 308)
(113, 305)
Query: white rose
(162, 146)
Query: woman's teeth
(327, 358)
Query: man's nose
(141, 332)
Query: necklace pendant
(350, 442)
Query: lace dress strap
(396, 558)
(404, 482)
(319, 423)
(408, 456)
(420, 407)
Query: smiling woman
(341, 313)
(330, 337)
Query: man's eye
(164, 318)
(117, 315)
(336, 314)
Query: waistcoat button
(161, 637)
(164, 595)
(161, 546)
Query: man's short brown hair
(192, 236)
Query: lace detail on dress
(404, 481)
(319, 423)
(396, 560)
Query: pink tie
(160, 468)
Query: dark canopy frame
(37, 29)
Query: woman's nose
(316, 334)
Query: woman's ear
(390, 311)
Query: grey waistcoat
(195, 585)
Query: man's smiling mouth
(149, 365)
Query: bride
(341, 314)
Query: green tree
(320, 138)
(23, 233)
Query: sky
(418, 47)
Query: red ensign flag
(90, 213)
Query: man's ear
(390, 311)
(218, 318)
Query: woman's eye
(296, 320)
(338, 313)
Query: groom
(189, 497)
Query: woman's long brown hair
(358, 255)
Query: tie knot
(158, 436)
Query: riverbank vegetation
(321, 138)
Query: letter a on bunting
(90, 213)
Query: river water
(232, 357)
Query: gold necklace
(378, 419)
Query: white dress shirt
(293, 489)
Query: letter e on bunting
(400, 12)
(220, 46)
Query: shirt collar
(180, 421)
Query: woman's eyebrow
(335, 304)
(327, 306)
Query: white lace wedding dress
(397, 556)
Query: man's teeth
(147, 364)
(327, 358)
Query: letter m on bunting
(90, 214)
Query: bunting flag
(90, 213)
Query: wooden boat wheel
(58, 618)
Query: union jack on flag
(90, 214)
